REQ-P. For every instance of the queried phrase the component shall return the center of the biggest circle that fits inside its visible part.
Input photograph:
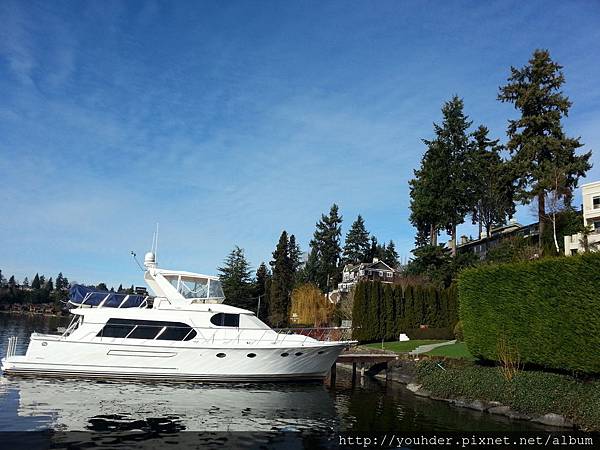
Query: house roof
(379, 265)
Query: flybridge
(180, 286)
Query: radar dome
(149, 260)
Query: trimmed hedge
(532, 392)
(383, 311)
(549, 310)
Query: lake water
(167, 409)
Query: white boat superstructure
(184, 332)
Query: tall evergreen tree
(61, 282)
(281, 283)
(390, 255)
(102, 287)
(491, 182)
(537, 141)
(295, 253)
(425, 194)
(236, 280)
(262, 283)
(356, 247)
(326, 243)
(26, 282)
(35, 284)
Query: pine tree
(376, 250)
(49, 285)
(102, 287)
(236, 280)
(388, 317)
(35, 284)
(61, 282)
(26, 282)
(491, 182)
(326, 243)
(120, 289)
(356, 247)
(261, 288)
(11, 282)
(295, 253)
(425, 195)
(537, 141)
(281, 283)
(390, 256)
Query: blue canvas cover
(84, 295)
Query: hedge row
(531, 392)
(547, 310)
(383, 311)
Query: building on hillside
(373, 271)
(481, 246)
(575, 243)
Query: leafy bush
(530, 392)
(548, 310)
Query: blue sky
(227, 122)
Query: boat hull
(113, 360)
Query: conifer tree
(281, 283)
(388, 318)
(390, 256)
(26, 282)
(120, 289)
(326, 244)
(236, 280)
(295, 253)
(491, 182)
(356, 246)
(537, 141)
(102, 287)
(35, 284)
(261, 288)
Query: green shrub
(548, 310)
(530, 392)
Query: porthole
(221, 355)
(251, 355)
(44, 344)
(298, 354)
(285, 354)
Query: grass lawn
(458, 350)
(402, 346)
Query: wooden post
(362, 369)
(332, 376)
(387, 371)
(353, 372)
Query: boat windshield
(196, 287)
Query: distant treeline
(42, 290)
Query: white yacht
(184, 332)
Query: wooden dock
(376, 361)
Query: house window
(381, 273)
(597, 226)
(361, 273)
(225, 320)
(389, 274)
(596, 202)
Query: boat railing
(11, 350)
(233, 335)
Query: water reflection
(125, 406)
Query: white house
(591, 218)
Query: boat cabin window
(196, 287)
(147, 329)
(225, 320)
